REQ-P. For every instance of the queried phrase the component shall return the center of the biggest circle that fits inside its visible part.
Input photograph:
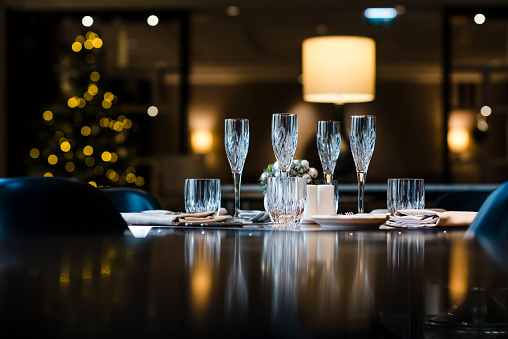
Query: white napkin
(429, 218)
(167, 218)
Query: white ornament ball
(313, 172)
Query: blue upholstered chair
(461, 200)
(492, 218)
(128, 199)
(41, 205)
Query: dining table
(254, 282)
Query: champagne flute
(362, 136)
(284, 140)
(236, 140)
(328, 145)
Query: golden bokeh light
(114, 157)
(85, 131)
(95, 76)
(106, 104)
(77, 46)
(97, 42)
(59, 135)
(88, 44)
(108, 96)
(70, 167)
(48, 175)
(65, 146)
(73, 102)
(127, 123)
(93, 183)
(202, 141)
(34, 153)
(106, 156)
(87, 96)
(121, 118)
(118, 126)
(90, 35)
(80, 39)
(458, 140)
(130, 178)
(140, 181)
(88, 150)
(104, 122)
(90, 162)
(93, 89)
(47, 115)
(130, 170)
(80, 154)
(120, 138)
(81, 102)
(52, 159)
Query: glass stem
(237, 178)
(328, 178)
(283, 174)
(361, 190)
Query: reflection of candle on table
(326, 199)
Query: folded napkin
(166, 218)
(429, 218)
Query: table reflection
(255, 283)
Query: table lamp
(339, 70)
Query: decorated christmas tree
(85, 136)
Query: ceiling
(263, 42)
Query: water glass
(284, 139)
(202, 195)
(286, 199)
(328, 145)
(405, 193)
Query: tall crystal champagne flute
(328, 145)
(284, 139)
(362, 137)
(236, 141)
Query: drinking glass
(236, 141)
(284, 139)
(202, 195)
(405, 193)
(286, 199)
(328, 145)
(362, 138)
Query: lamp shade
(339, 69)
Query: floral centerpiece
(299, 168)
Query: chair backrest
(128, 199)
(492, 218)
(55, 206)
(461, 200)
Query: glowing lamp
(338, 69)
(458, 139)
(202, 141)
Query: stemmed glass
(236, 141)
(284, 139)
(362, 136)
(328, 145)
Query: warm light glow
(72, 102)
(81, 39)
(106, 156)
(233, 10)
(95, 76)
(152, 111)
(120, 138)
(130, 178)
(88, 150)
(486, 111)
(65, 146)
(106, 104)
(152, 20)
(97, 42)
(87, 21)
(482, 125)
(81, 102)
(93, 183)
(52, 159)
(76, 46)
(479, 19)
(338, 69)
(202, 141)
(70, 167)
(88, 44)
(85, 131)
(93, 89)
(108, 96)
(34, 153)
(458, 139)
(48, 175)
(127, 123)
(458, 271)
(48, 115)
(140, 181)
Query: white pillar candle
(311, 207)
(326, 200)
